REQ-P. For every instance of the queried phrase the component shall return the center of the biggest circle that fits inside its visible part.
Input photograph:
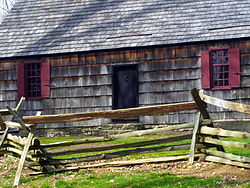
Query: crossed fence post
(202, 112)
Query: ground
(183, 168)
(227, 173)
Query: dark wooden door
(125, 86)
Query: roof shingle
(36, 27)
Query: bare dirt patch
(183, 168)
(199, 169)
(79, 147)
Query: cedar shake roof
(36, 27)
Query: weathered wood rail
(43, 158)
(112, 114)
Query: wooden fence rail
(118, 136)
(112, 114)
(44, 157)
(223, 157)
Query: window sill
(222, 88)
(34, 98)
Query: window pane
(216, 69)
(215, 76)
(214, 61)
(226, 82)
(219, 61)
(220, 82)
(225, 52)
(226, 75)
(225, 60)
(221, 75)
(33, 80)
(214, 53)
(226, 68)
(220, 53)
(220, 72)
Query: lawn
(111, 178)
(125, 141)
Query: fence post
(18, 119)
(4, 136)
(194, 137)
(202, 107)
(26, 147)
(2, 124)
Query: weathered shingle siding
(8, 87)
(83, 82)
(36, 27)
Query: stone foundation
(112, 129)
(243, 126)
(109, 129)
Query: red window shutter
(205, 70)
(234, 67)
(20, 80)
(45, 79)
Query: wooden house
(92, 55)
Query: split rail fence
(45, 158)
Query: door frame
(113, 81)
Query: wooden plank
(19, 104)
(194, 137)
(226, 155)
(130, 112)
(226, 120)
(171, 75)
(166, 86)
(18, 119)
(118, 136)
(226, 104)
(19, 152)
(226, 143)
(123, 163)
(226, 161)
(35, 145)
(2, 124)
(22, 159)
(17, 139)
(69, 151)
(5, 112)
(223, 132)
(2, 152)
(119, 154)
(4, 137)
(94, 91)
(16, 125)
(165, 65)
(151, 98)
(200, 103)
(202, 107)
(10, 143)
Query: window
(220, 68)
(33, 80)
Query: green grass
(123, 141)
(237, 151)
(125, 180)
(133, 180)
(122, 179)
(143, 179)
